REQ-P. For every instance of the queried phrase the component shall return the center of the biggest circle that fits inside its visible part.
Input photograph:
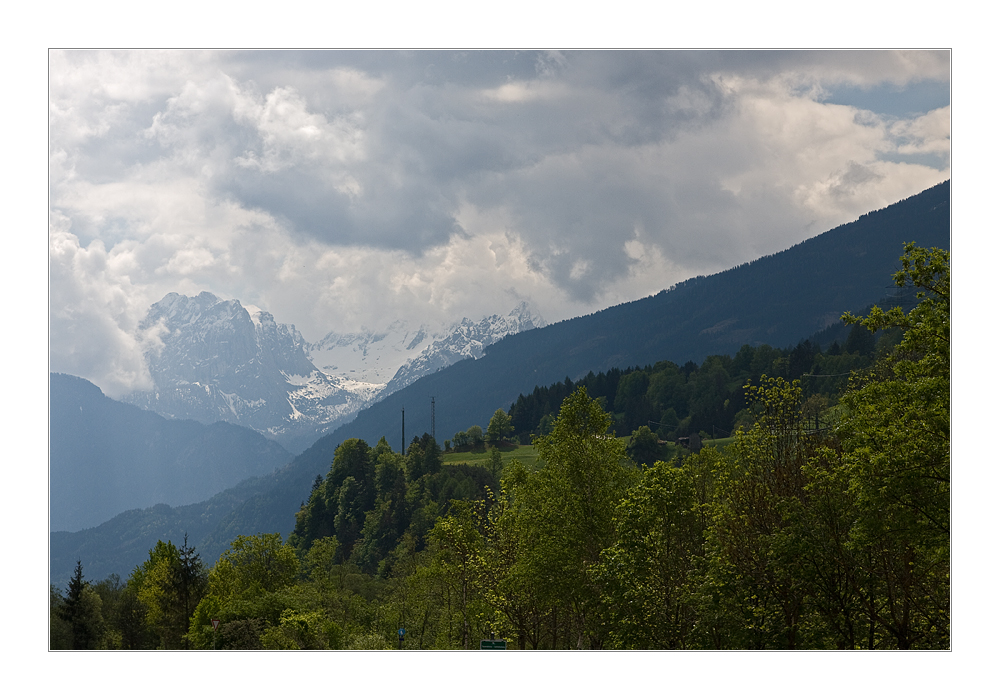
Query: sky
(345, 190)
(106, 303)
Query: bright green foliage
(755, 601)
(340, 591)
(513, 604)
(247, 591)
(368, 641)
(591, 467)
(257, 563)
(496, 462)
(926, 329)
(645, 573)
(302, 630)
(841, 540)
(416, 599)
(458, 550)
(896, 440)
(644, 447)
(499, 427)
(151, 582)
(567, 509)
(166, 587)
(185, 585)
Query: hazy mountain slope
(266, 503)
(106, 456)
(779, 300)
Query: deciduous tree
(567, 510)
(499, 427)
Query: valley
(670, 375)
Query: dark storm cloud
(440, 127)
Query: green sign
(493, 644)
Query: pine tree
(190, 582)
(78, 611)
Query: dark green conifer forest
(776, 499)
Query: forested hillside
(824, 522)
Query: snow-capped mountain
(370, 356)
(222, 361)
(218, 360)
(399, 355)
(467, 339)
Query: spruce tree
(75, 613)
(190, 582)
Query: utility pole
(433, 433)
(402, 449)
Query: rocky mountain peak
(220, 360)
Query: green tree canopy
(499, 427)
(644, 447)
(246, 591)
(568, 508)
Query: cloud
(347, 189)
(93, 314)
(930, 133)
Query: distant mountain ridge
(221, 361)
(106, 456)
(467, 340)
(399, 355)
(218, 360)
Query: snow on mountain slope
(369, 356)
(399, 355)
(219, 360)
(467, 339)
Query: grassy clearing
(481, 455)
(719, 443)
(529, 456)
